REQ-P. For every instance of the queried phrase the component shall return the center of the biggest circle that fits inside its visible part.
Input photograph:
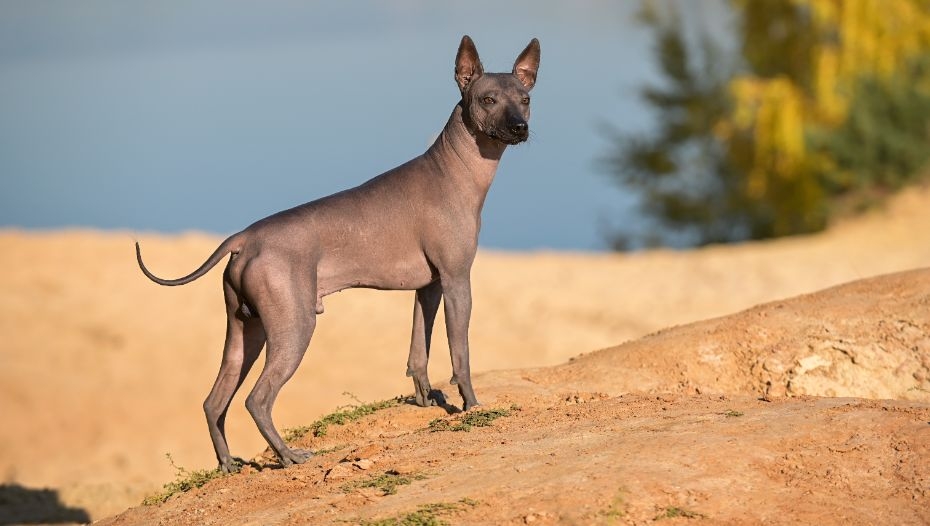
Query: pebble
(339, 471)
(364, 464)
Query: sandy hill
(576, 447)
(102, 373)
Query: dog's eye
(526, 100)
(488, 100)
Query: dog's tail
(220, 252)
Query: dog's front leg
(425, 306)
(456, 292)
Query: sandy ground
(621, 436)
(102, 373)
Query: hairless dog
(414, 227)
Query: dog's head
(496, 104)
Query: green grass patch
(387, 482)
(426, 515)
(475, 418)
(184, 481)
(341, 416)
(673, 511)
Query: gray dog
(411, 228)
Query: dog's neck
(461, 145)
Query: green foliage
(340, 417)
(777, 39)
(184, 481)
(885, 140)
(680, 169)
(672, 512)
(475, 418)
(425, 515)
(821, 109)
(387, 482)
(617, 508)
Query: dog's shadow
(24, 505)
(439, 399)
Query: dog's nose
(519, 127)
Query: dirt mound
(102, 372)
(868, 339)
(572, 444)
(590, 459)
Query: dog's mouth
(508, 137)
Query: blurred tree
(825, 107)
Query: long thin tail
(216, 257)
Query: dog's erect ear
(527, 64)
(467, 64)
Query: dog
(414, 227)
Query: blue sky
(208, 115)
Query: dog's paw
(295, 456)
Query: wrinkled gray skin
(412, 228)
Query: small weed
(386, 482)
(616, 509)
(184, 481)
(476, 418)
(425, 515)
(672, 511)
(340, 417)
(732, 413)
(330, 449)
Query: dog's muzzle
(517, 131)
(520, 131)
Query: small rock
(364, 464)
(404, 469)
(920, 376)
(367, 451)
(339, 471)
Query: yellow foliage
(855, 38)
(772, 111)
(876, 37)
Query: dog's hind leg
(425, 306)
(287, 306)
(244, 340)
(284, 354)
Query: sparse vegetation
(327, 450)
(732, 413)
(184, 481)
(616, 509)
(425, 515)
(476, 418)
(340, 417)
(673, 511)
(387, 482)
